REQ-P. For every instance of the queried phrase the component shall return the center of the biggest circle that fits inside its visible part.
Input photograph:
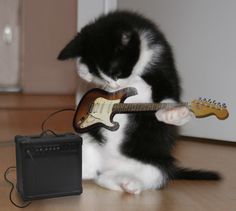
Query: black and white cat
(124, 49)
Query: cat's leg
(141, 177)
(174, 116)
(91, 158)
(118, 181)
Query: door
(9, 44)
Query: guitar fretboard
(136, 107)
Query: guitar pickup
(91, 107)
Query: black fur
(184, 173)
(112, 43)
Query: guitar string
(122, 107)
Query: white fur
(83, 71)
(104, 163)
(147, 54)
(91, 157)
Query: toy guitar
(98, 107)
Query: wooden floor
(177, 196)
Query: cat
(125, 49)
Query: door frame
(89, 9)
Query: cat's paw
(175, 116)
(84, 73)
(125, 183)
(131, 185)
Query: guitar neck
(138, 107)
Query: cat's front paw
(175, 116)
(84, 73)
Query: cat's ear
(125, 38)
(71, 50)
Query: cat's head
(106, 51)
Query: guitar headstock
(206, 107)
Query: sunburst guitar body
(98, 107)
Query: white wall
(202, 34)
(90, 9)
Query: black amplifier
(48, 166)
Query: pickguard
(100, 112)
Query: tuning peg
(224, 105)
(200, 99)
(219, 105)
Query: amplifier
(48, 166)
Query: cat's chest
(115, 138)
(144, 92)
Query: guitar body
(95, 109)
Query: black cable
(12, 188)
(44, 131)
